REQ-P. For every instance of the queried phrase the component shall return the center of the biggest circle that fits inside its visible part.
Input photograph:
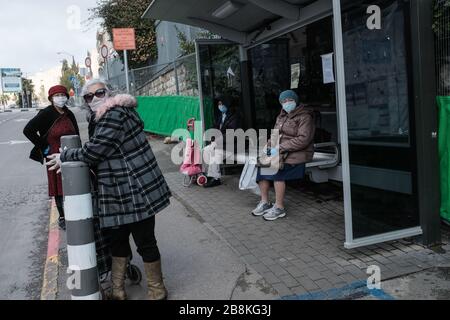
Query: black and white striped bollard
(84, 281)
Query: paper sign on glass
(295, 75)
(328, 68)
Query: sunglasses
(100, 93)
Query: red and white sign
(104, 51)
(124, 39)
(88, 62)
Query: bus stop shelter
(378, 96)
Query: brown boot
(156, 288)
(118, 270)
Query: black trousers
(144, 236)
(59, 200)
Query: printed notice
(328, 68)
(295, 75)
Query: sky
(33, 31)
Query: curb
(50, 281)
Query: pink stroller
(192, 164)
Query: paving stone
(324, 284)
(308, 284)
(313, 274)
(282, 289)
(260, 267)
(289, 280)
(271, 278)
(250, 259)
(277, 270)
(299, 290)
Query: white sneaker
(274, 214)
(262, 209)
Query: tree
(127, 14)
(67, 72)
(28, 92)
(42, 94)
(4, 98)
(188, 46)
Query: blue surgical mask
(223, 108)
(289, 106)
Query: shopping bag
(192, 159)
(248, 176)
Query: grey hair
(93, 82)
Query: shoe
(62, 223)
(118, 271)
(262, 209)
(213, 183)
(155, 283)
(274, 214)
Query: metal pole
(200, 90)
(107, 69)
(84, 280)
(127, 80)
(343, 128)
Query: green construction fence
(163, 115)
(444, 154)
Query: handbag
(274, 162)
(248, 176)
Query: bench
(326, 158)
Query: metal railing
(178, 77)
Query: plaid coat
(131, 187)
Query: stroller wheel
(134, 274)
(202, 180)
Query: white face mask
(59, 102)
(97, 103)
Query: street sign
(10, 72)
(11, 80)
(104, 51)
(124, 39)
(88, 62)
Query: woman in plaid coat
(131, 187)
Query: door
(379, 107)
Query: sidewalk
(197, 265)
(301, 256)
(213, 248)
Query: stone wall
(164, 84)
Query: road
(24, 206)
